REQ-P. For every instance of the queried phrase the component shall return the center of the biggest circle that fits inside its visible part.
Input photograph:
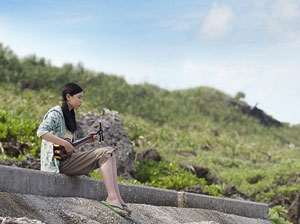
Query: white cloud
(280, 19)
(218, 22)
(231, 79)
(280, 9)
(284, 19)
(286, 10)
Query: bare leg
(108, 179)
(114, 165)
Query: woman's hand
(94, 138)
(69, 147)
(59, 141)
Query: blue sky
(249, 46)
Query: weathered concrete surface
(27, 181)
(226, 205)
(59, 210)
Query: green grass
(236, 148)
(236, 154)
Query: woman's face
(74, 101)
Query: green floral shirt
(54, 123)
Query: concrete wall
(27, 181)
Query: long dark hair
(69, 115)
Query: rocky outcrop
(146, 155)
(60, 210)
(255, 112)
(114, 136)
(28, 162)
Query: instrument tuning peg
(101, 137)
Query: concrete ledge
(27, 181)
(148, 195)
(242, 208)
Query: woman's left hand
(95, 137)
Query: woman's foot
(117, 206)
(125, 207)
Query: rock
(7, 162)
(200, 172)
(255, 179)
(29, 162)
(255, 112)
(196, 190)
(234, 193)
(146, 155)
(205, 147)
(114, 136)
(14, 149)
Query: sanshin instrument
(60, 152)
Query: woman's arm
(59, 141)
(95, 137)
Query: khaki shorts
(81, 163)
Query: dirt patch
(186, 153)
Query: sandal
(113, 207)
(125, 207)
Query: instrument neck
(81, 140)
(99, 132)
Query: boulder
(114, 136)
(234, 193)
(146, 155)
(200, 172)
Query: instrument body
(60, 153)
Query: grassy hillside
(194, 126)
(101, 90)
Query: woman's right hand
(69, 147)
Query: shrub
(18, 134)
(278, 215)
